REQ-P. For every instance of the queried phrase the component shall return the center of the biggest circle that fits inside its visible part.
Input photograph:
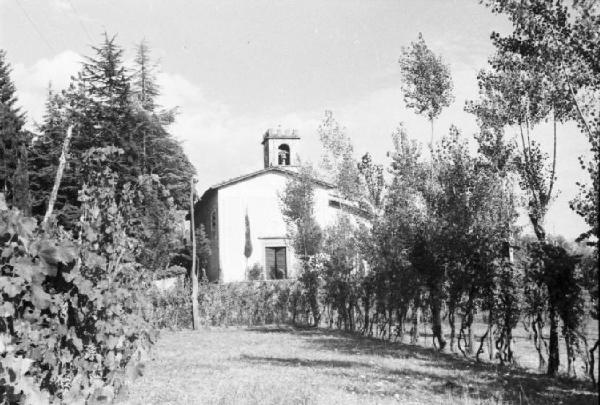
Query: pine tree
(161, 154)
(108, 107)
(14, 181)
(99, 105)
(144, 86)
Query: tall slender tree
(427, 83)
(145, 88)
(305, 233)
(541, 72)
(337, 161)
(559, 39)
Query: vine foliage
(73, 322)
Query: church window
(283, 155)
(276, 263)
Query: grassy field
(283, 365)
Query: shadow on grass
(298, 362)
(296, 330)
(459, 375)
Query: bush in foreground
(73, 326)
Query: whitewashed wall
(260, 197)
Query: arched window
(283, 155)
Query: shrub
(245, 303)
(73, 319)
(256, 272)
(62, 336)
(172, 308)
(232, 304)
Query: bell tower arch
(278, 147)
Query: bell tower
(278, 147)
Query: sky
(236, 68)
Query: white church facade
(223, 209)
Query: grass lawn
(284, 365)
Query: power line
(35, 27)
(81, 22)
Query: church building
(252, 204)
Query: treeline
(107, 104)
(90, 214)
(442, 247)
(441, 241)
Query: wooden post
(59, 173)
(193, 272)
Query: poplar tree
(297, 207)
(545, 69)
(337, 160)
(426, 79)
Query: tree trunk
(470, 339)
(431, 142)
(592, 361)
(569, 338)
(482, 341)
(366, 306)
(21, 198)
(436, 322)
(553, 356)
(400, 322)
(193, 270)
(509, 351)
(452, 323)
(414, 337)
(538, 340)
(59, 173)
(491, 337)
(390, 318)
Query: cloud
(32, 81)
(219, 143)
(62, 5)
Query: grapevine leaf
(39, 297)
(11, 286)
(6, 310)
(53, 254)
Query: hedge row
(244, 304)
